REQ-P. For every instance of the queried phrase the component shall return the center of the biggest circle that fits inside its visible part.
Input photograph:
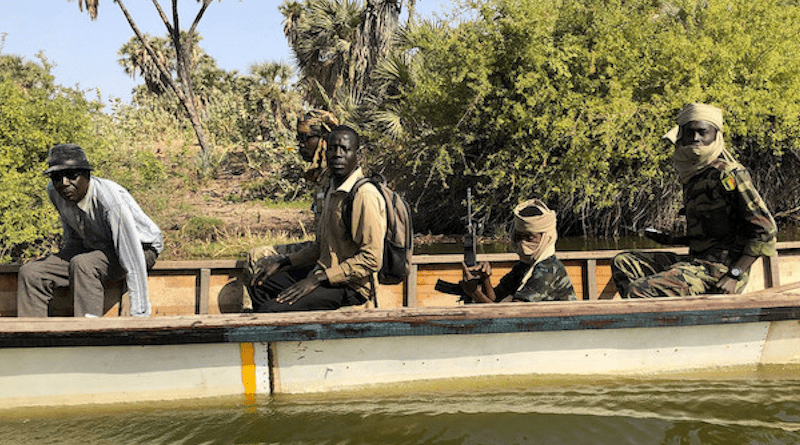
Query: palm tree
(338, 44)
(379, 21)
(272, 95)
(136, 61)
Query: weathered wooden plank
(768, 305)
(203, 290)
(410, 287)
(590, 292)
(772, 277)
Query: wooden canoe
(212, 353)
(216, 286)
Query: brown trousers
(82, 271)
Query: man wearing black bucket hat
(106, 236)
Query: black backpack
(398, 246)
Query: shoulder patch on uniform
(729, 182)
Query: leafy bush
(567, 101)
(34, 115)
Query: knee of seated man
(83, 264)
(27, 270)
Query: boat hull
(74, 361)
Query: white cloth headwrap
(545, 224)
(690, 159)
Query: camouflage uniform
(725, 219)
(315, 123)
(549, 282)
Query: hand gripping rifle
(469, 256)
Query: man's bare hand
(481, 270)
(474, 280)
(298, 290)
(265, 268)
(727, 285)
(658, 236)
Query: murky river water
(735, 408)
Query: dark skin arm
(665, 238)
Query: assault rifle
(469, 238)
(469, 256)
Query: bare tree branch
(164, 17)
(199, 16)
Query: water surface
(748, 407)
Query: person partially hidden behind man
(312, 132)
(537, 276)
(106, 236)
(728, 225)
(338, 268)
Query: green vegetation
(565, 100)
(34, 114)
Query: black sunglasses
(69, 174)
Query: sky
(236, 33)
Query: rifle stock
(447, 287)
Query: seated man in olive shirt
(337, 268)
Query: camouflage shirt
(725, 215)
(548, 282)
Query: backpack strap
(347, 211)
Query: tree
(337, 45)
(567, 101)
(34, 115)
(181, 85)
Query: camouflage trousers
(665, 274)
(258, 256)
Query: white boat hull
(73, 361)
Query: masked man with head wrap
(728, 225)
(538, 275)
(312, 132)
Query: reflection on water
(749, 408)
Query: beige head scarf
(534, 253)
(690, 159)
(544, 224)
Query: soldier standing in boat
(106, 236)
(312, 131)
(537, 276)
(728, 225)
(338, 268)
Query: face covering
(545, 223)
(690, 159)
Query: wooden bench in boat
(216, 286)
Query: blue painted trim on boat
(306, 332)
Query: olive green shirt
(348, 258)
(725, 215)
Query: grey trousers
(82, 271)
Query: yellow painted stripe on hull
(247, 354)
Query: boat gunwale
(239, 264)
(773, 304)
